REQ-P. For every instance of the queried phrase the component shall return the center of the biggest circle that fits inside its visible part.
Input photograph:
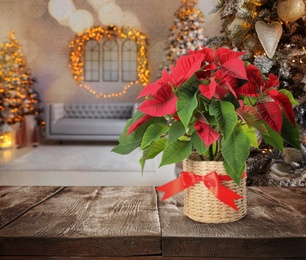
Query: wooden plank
(293, 198)
(270, 230)
(118, 258)
(88, 221)
(15, 201)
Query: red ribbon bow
(210, 180)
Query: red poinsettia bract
(230, 63)
(138, 123)
(163, 99)
(219, 86)
(218, 72)
(203, 104)
(271, 102)
(206, 133)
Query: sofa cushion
(86, 126)
(98, 110)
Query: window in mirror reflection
(110, 60)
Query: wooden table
(64, 222)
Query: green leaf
(225, 115)
(210, 119)
(236, 177)
(251, 134)
(153, 133)
(131, 121)
(128, 143)
(150, 152)
(290, 133)
(232, 99)
(186, 104)
(176, 130)
(131, 142)
(190, 85)
(290, 96)
(176, 152)
(260, 126)
(198, 144)
(235, 151)
(250, 100)
(252, 117)
(184, 138)
(273, 138)
(191, 130)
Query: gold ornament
(269, 36)
(252, 43)
(236, 22)
(290, 10)
(258, 2)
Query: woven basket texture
(199, 202)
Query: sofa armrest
(56, 112)
(53, 112)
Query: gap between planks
(33, 206)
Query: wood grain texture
(271, 229)
(293, 198)
(15, 201)
(159, 257)
(88, 221)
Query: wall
(45, 42)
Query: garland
(77, 47)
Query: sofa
(93, 121)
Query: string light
(77, 47)
(16, 85)
(6, 136)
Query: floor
(78, 178)
(7, 155)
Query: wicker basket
(201, 205)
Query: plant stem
(210, 151)
(202, 157)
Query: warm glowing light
(129, 19)
(18, 96)
(98, 3)
(80, 20)
(110, 13)
(6, 136)
(77, 55)
(61, 9)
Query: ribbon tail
(228, 196)
(171, 188)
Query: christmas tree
(17, 94)
(187, 32)
(272, 32)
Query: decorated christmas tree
(272, 32)
(187, 32)
(17, 94)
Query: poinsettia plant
(212, 103)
